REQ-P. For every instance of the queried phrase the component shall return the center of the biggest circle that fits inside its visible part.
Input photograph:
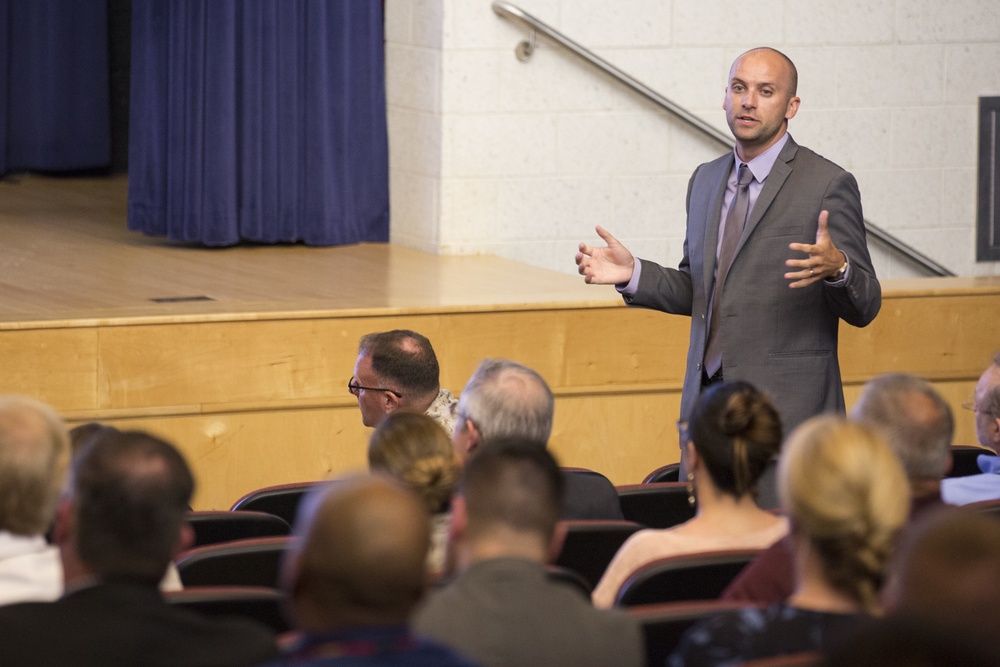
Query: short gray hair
(921, 438)
(505, 399)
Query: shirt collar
(762, 164)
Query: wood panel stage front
(242, 355)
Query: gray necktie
(736, 219)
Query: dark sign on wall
(988, 218)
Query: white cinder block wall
(521, 160)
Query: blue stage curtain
(54, 111)
(258, 120)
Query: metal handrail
(524, 50)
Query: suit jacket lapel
(779, 173)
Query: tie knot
(745, 175)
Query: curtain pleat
(259, 120)
(54, 83)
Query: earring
(690, 489)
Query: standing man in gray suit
(765, 303)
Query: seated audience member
(81, 436)
(907, 641)
(734, 433)
(398, 371)
(34, 453)
(117, 528)
(354, 576)
(847, 497)
(415, 450)
(502, 609)
(942, 598)
(917, 424)
(986, 404)
(504, 399)
(947, 570)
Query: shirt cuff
(632, 286)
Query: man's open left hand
(823, 259)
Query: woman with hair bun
(734, 433)
(847, 497)
(416, 450)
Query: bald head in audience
(360, 557)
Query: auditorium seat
(281, 500)
(251, 562)
(571, 578)
(700, 576)
(213, 527)
(664, 624)
(656, 505)
(258, 603)
(988, 507)
(963, 460)
(667, 473)
(589, 546)
(805, 659)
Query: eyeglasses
(355, 388)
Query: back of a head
(403, 358)
(360, 557)
(846, 493)
(82, 434)
(414, 449)
(514, 485)
(34, 454)
(947, 570)
(505, 399)
(914, 419)
(736, 431)
(130, 493)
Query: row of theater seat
(234, 566)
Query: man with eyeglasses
(398, 370)
(986, 404)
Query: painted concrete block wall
(492, 155)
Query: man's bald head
(360, 557)
(791, 71)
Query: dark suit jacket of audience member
(589, 496)
(125, 624)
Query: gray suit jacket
(782, 340)
(506, 612)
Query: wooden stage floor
(68, 256)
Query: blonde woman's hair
(414, 449)
(846, 492)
